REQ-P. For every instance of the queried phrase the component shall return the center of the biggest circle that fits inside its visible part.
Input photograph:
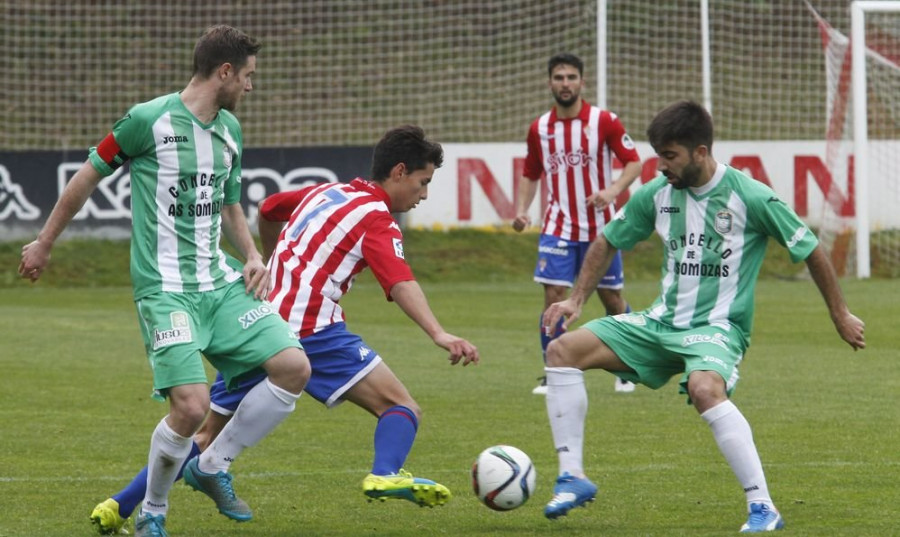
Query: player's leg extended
(567, 359)
(264, 407)
(383, 395)
(111, 515)
(735, 440)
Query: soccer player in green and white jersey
(714, 222)
(193, 300)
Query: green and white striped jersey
(182, 173)
(714, 238)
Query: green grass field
(76, 420)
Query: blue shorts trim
(560, 260)
(338, 358)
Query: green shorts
(657, 352)
(236, 332)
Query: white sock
(567, 404)
(261, 410)
(168, 450)
(735, 440)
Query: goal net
(859, 223)
(341, 72)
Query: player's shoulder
(747, 185)
(152, 109)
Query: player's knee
(706, 389)
(289, 370)
(556, 354)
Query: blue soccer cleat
(147, 525)
(762, 518)
(570, 492)
(218, 487)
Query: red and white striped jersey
(576, 155)
(334, 231)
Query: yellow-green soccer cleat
(403, 486)
(106, 518)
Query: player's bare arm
(269, 231)
(527, 191)
(36, 254)
(849, 327)
(603, 198)
(596, 263)
(234, 225)
(411, 299)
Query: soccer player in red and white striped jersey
(332, 233)
(573, 147)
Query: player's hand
(35, 256)
(601, 199)
(851, 328)
(521, 222)
(256, 278)
(459, 348)
(568, 309)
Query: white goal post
(858, 12)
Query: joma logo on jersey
(669, 210)
(175, 139)
(716, 339)
(254, 315)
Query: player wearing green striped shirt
(714, 223)
(193, 300)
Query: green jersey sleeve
(636, 220)
(780, 222)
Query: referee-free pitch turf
(76, 418)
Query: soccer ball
(503, 477)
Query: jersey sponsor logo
(704, 270)
(710, 242)
(724, 222)
(559, 161)
(774, 198)
(671, 210)
(627, 142)
(398, 248)
(179, 333)
(13, 201)
(249, 318)
(719, 340)
(798, 235)
(177, 139)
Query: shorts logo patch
(179, 333)
(716, 339)
(717, 361)
(631, 318)
(254, 315)
(363, 352)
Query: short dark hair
(222, 44)
(406, 144)
(565, 58)
(685, 123)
